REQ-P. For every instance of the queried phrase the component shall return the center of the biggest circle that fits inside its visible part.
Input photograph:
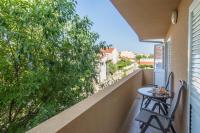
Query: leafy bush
(123, 63)
(146, 66)
(112, 68)
(47, 60)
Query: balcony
(113, 109)
(109, 111)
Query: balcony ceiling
(150, 19)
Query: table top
(153, 92)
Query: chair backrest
(170, 77)
(176, 99)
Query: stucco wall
(179, 37)
(148, 76)
(179, 60)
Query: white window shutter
(194, 66)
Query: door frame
(168, 60)
(168, 45)
(163, 61)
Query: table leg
(142, 102)
(147, 102)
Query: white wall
(115, 56)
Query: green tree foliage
(123, 63)
(138, 57)
(151, 56)
(112, 68)
(146, 66)
(48, 56)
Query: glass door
(159, 65)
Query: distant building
(108, 54)
(111, 53)
(127, 55)
(102, 69)
(146, 61)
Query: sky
(111, 26)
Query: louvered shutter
(194, 69)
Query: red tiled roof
(146, 63)
(107, 50)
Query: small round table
(153, 93)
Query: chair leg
(163, 110)
(164, 131)
(159, 123)
(172, 128)
(142, 125)
(144, 129)
(159, 109)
